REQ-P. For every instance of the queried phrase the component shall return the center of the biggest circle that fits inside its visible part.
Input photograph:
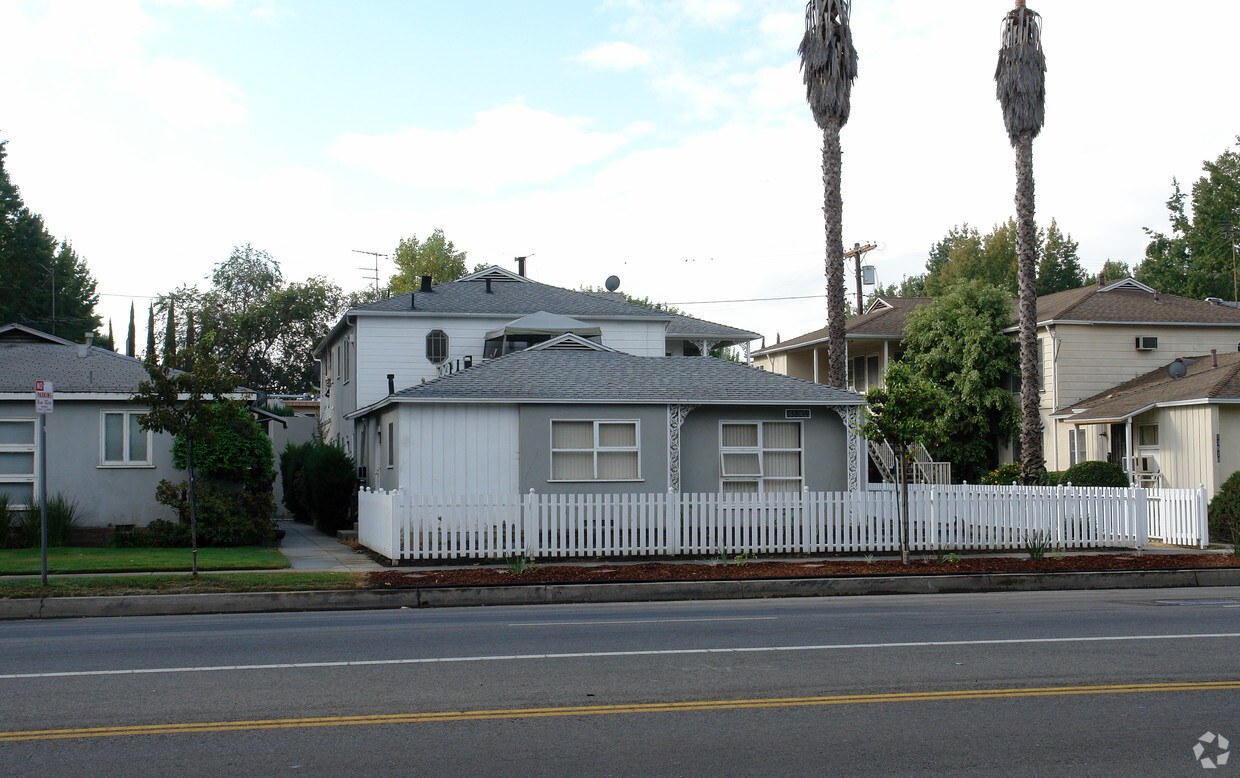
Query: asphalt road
(1061, 683)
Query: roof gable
(20, 333)
(495, 273)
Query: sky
(666, 142)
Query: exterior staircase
(922, 467)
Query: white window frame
(596, 449)
(447, 346)
(24, 448)
(1076, 446)
(761, 450)
(125, 461)
(1157, 436)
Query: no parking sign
(43, 396)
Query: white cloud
(184, 93)
(616, 55)
(784, 28)
(510, 145)
(779, 87)
(710, 13)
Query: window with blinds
(17, 461)
(587, 450)
(756, 457)
(123, 442)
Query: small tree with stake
(904, 411)
(181, 399)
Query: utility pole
(857, 252)
(375, 277)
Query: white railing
(959, 518)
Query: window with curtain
(17, 461)
(588, 450)
(123, 441)
(756, 457)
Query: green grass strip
(180, 584)
(26, 561)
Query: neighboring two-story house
(407, 340)
(1090, 340)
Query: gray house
(97, 452)
(569, 415)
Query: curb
(550, 594)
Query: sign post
(43, 400)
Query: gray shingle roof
(21, 364)
(521, 298)
(600, 376)
(1202, 382)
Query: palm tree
(1020, 84)
(829, 67)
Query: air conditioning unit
(1146, 343)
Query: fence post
(528, 518)
(1142, 522)
(672, 522)
(1203, 517)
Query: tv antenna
(375, 269)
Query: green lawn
(180, 584)
(19, 561)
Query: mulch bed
(706, 571)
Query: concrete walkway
(309, 549)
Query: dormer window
(436, 346)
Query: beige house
(1090, 340)
(1177, 425)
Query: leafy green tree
(970, 256)
(1196, 258)
(43, 283)
(1114, 270)
(436, 257)
(1060, 268)
(265, 327)
(184, 400)
(906, 410)
(958, 343)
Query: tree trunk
(833, 209)
(1032, 462)
(193, 510)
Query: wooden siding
(1229, 442)
(458, 449)
(1185, 445)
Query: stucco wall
(824, 445)
(107, 496)
(535, 457)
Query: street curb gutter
(546, 594)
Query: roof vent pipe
(391, 383)
(84, 348)
(1214, 357)
(411, 305)
(489, 286)
(426, 284)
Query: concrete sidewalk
(309, 549)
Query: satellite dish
(613, 283)
(1177, 369)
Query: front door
(1119, 445)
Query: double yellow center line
(597, 710)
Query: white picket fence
(400, 525)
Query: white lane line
(637, 621)
(608, 654)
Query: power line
(749, 300)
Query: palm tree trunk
(833, 211)
(1032, 462)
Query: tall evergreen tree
(1060, 268)
(1020, 85)
(150, 336)
(828, 68)
(189, 330)
(131, 342)
(43, 283)
(170, 334)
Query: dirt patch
(706, 571)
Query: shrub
(292, 479)
(329, 487)
(1224, 509)
(226, 517)
(7, 520)
(1003, 475)
(237, 450)
(1052, 477)
(63, 516)
(1095, 473)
